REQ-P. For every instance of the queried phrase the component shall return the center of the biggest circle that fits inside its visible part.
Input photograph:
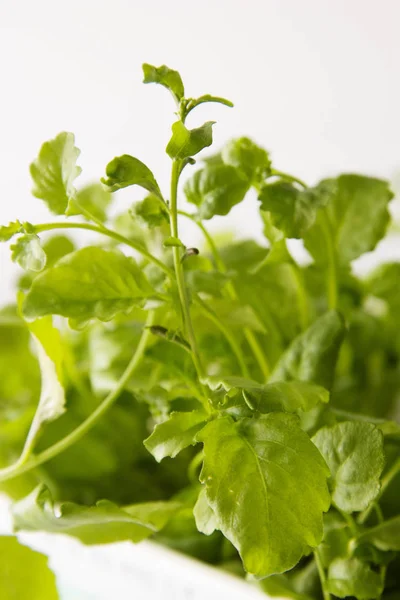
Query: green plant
(266, 392)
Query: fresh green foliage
(219, 396)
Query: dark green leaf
(28, 253)
(126, 170)
(250, 471)
(8, 231)
(100, 524)
(175, 434)
(352, 577)
(385, 536)
(150, 211)
(354, 453)
(188, 142)
(251, 159)
(86, 284)
(24, 573)
(166, 77)
(54, 172)
(93, 198)
(215, 189)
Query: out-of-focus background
(316, 82)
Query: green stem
(219, 263)
(288, 177)
(180, 279)
(386, 480)
(83, 428)
(322, 576)
(109, 233)
(332, 291)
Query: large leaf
(312, 356)
(92, 198)
(266, 484)
(166, 77)
(126, 170)
(215, 189)
(352, 577)
(100, 524)
(89, 283)
(188, 142)
(28, 253)
(353, 451)
(251, 159)
(24, 573)
(175, 434)
(356, 218)
(385, 536)
(54, 172)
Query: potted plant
(233, 404)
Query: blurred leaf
(28, 253)
(93, 198)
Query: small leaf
(8, 231)
(100, 524)
(24, 573)
(175, 434)
(150, 212)
(93, 198)
(126, 170)
(251, 470)
(188, 142)
(215, 189)
(54, 172)
(166, 77)
(86, 284)
(251, 159)
(353, 451)
(385, 536)
(170, 335)
(28, 253)
(171, 242)
(353, 577)
(204, 516)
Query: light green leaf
(24, 573)
(354, 453)
(86, 284)
(93, 198)
(166, 77)
(171, 242)
(100, 524)
(175, 434)
(312, 355)
(251, 159)
(385, 536)
(287, 396)
(353, 577)
(188, 142)
(215, 189)
(28, 253)
(150, 212)
(204, 516)
(54, 172)
(126, 170)
(357, 216)
(8, 231)
(251, 469)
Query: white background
(314, 81)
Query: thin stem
(214, 251)
(321, 574)
(109, 233)
(180, 279)
(83, 428)
(332, 291)
(288, 177)
(386, 480)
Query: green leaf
(8, 231)
(171, 242)
(385, 536)
(126, 170)
(150, 212)
(166, 77)
(24, 573)
(251, 159)
(251, 469)
(312, 356)
(215, 189)
(354, 453)
(287, 396)
(384, 283)
(54, 172)
(357, 215)
(28, 253)
(352, 577)
(86, 284)
(93, 198)
(100, 524)
(292, 210)
(175, 434)
(204, 516)
(188, 142)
